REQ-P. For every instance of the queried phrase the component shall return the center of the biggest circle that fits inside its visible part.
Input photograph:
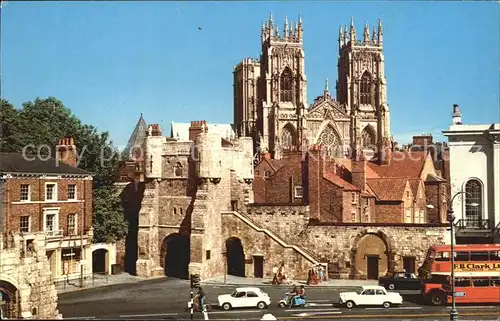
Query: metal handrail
(473, 224)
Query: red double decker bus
(477, 274)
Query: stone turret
(153, 151)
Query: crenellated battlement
(292, 33)
(278, 210)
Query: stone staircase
(306, 254)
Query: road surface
(167, 300)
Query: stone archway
(235, 257)
(9, 303)
(371, 255)
(176, 253)
(100, 261)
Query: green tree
(44, 122)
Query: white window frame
(408, 218)
(296, 192)
(421, 214)
(29, 193)
(75, 227)
(54, 192)
(354, 198)
(67, 191)
(51, 211)
(29, 223)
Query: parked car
(400, 281)
(244, 298)
(370, 295)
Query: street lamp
(451, 218)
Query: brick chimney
(66, 151)
(155, 130)
(358, 170)
(197, 127)
(265, 155)
(315, 163)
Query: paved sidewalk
(232, 280)
(98, 280)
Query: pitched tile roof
(414, 182)
(347, 163)
(276, 164)
(17, 163)
(331, 177)
(403, 164)
(387, 189)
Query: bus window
(495, 281)
(479, 256)
(462, 282)
(461, 256)
(442, 256)
(495, 256)
(480, 282)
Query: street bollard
(191, 304)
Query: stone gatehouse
(195, 214)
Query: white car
(244, 298)
(370, 295)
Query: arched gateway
(371, 254)
(175, 255)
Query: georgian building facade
(55, 198)
(477, 207)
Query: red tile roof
(414, 182)
(388, 189)
(339, 181)
(403, 164)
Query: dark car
(400, 281)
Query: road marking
(236, 311)
(146, 315)
(389, 316)
(320, 304)
(396, 308)
(306, 314)
(311, 310)
(79, 318)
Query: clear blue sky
(111, 61)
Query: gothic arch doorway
(372, 256)
(176, 253)
(235, 257)
(368, 137)
(9, 303)
(100, 261)
(331, 140)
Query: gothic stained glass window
(330, 140)
(473, 196)
(286, 85)
(365, 90)
(287, 137)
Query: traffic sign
(459, 293)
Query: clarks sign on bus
(477, 267)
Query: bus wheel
(437, 298)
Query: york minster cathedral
(270, 94)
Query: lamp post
(451, 218)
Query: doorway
(235, 257)
(177, 255)
(372, 267)
(409, 264)
(258, 266)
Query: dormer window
(298, 191)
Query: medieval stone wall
(27, 270)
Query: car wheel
(226, 306)
(281, 305)
(386, 305)
(261, 305)
(349, 304)
(391, 286)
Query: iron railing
(473, 224)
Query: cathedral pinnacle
(366, 33)
(380, 33)
(285, 28)
(352, 31)
(326, 85)
(341, 37)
